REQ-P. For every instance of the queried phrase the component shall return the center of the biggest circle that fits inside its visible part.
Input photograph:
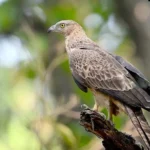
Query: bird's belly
(101, 99)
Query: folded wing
(101, 71)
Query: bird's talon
(102, 114)
(84, 106)
(111, 122)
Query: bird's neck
(75, 40)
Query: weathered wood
(113, 139)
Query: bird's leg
(95, 108)
(110, 110)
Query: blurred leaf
(25, 139)
(9, 13)
(67, 135)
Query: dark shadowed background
(39, 101)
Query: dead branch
(113, 139)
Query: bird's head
(65, 27)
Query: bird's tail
(140, 124)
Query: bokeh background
(39, 101)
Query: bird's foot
(84, 106)
(103, 115)
(96, 108)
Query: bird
(114, 82)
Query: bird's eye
(62, 25)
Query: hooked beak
(51, 29)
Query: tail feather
(140, 124)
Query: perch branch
(113, 139)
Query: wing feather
(101, 71)
(136, 74)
